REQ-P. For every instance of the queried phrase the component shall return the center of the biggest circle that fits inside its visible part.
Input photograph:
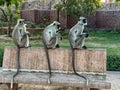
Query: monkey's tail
(73, 64)
(48, 60)
(17, 66)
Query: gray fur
(20, 35)
(51, 35)
(50, 40)
(76, 38)
(76, 35)
(21, 40)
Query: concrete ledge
(58, 79)
(34, 59)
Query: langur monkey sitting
(21, 40)
(50, 37)
(76, 39)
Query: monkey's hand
(58, 36)
(84, 34)
(52, 38)
(27, 33)
(79, 35)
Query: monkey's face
(21, 21)
(57, 25)
(83, 21)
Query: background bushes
(113, 63)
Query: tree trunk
(9, 26)
(58, 15)
(4, 14)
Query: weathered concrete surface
(34, 59)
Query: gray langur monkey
(50, 38)
(76, 39)
(21, 40)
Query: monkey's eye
(84, 20)
(54, 24)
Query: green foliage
(113, 63)
(9, 8)
(117, 0)
(3, 24)
(15, 18)
(33, 25)
(78, 7)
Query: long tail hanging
(73, 65)
(48, 60)
(17, 66)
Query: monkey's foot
(87, 82)
(28, 46)
(86, 35)
(84, 47)
(57, 46)
(12, 81)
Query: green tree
(117, 0)
(9, 8)
(78, 7)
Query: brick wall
(108, 16)
(28, 15)
(102, 19)
(108, 19)
(43, 16)
(36, 16)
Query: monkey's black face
(21, 22)
(84, 20)
(58, 26)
